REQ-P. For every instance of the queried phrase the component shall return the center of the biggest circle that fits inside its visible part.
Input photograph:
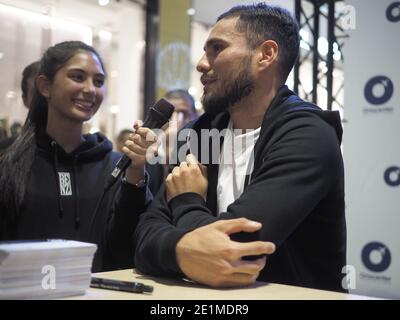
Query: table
(175, 289)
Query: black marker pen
(127, 286)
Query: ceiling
(207, 11)
(79, 11)
(82, 11)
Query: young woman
(52, 178)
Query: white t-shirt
(236, 161)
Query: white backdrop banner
(372, 148)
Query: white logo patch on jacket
(65, 183)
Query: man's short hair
(29, 72)
(263, 22)
(184, 95)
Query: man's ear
(43, 86)
(268, 54)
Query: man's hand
(207, 255)
(190, 176)
(140, 144)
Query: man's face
(183, 111)
(226, 67)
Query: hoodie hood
(286, 102)
(95, 147)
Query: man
(28, 82)
(185, 109)
(28, 87)
(293, 198)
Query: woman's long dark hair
(16, 162)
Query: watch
(140, 184)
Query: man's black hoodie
(296, 191)
(63, 193)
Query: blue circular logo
(392, 176)
(393, 12)
(379, 90)
(376, 256)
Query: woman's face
(77, 89)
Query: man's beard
(232, 93)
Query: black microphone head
(164, 107)
(159, 114)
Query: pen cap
(148, 289)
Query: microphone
(156, 118)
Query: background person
(27, 87)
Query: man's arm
(156, 238)
(206, 255)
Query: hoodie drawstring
(60, 204)
(76, 185)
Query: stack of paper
(45, 269)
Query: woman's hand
(140, 146)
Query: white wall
(116, 31)
(371, 146)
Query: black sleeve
(302, 163)
(129, 202)
(156, 238)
